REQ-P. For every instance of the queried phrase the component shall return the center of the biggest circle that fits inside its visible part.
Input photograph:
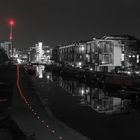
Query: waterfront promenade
(28, 111)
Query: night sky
(56, 22)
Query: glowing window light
(19, 61)
(82, 91)
(91, 69)
(122, 57)
(87, 90)
(137, 58)
(48, 77)
(87, 55)
(48, 51)
(82, 48)
(80, 64)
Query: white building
(7, 47)
(39, 52)
(110, 54)
(42, 53)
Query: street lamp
(11, 23)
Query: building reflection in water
(98, 99)
(49, 76)
(39, 71)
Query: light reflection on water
(97, 98)
(39, 71)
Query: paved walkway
(32, 117)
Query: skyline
(60, 22)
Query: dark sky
(64, 21)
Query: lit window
(106, 59)
(137, 58)
(122, 58)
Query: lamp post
(11, 23)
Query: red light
(11, 22)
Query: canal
(94, 111)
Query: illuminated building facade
(7, 47)
(39, 53)
(23, 55)
(67, 54)
(104, 54)
(121, 51)
(55, 54)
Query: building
(23, 55)
(55, 54)
(3, 56)
(122, 51)
(47, 56)
(109, 53)
(39, 53)
(32, 54)
(7, 47)
(104, 54)
(67, 54)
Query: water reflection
(49, 76)
(40, 70)
(98, 98)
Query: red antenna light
(11, 22)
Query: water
(96, 112)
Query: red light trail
(3, 100)
(52, 131)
